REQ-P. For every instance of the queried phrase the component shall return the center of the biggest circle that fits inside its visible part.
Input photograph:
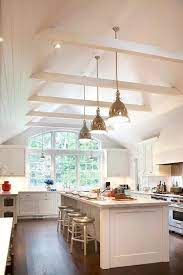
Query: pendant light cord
(97, 59)
(84, 105)
(116, 29)
(116, 53)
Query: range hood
(169, 156)
(177, 169)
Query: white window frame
(54, 152)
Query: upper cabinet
(12, 160)
(146, 160)
(116, 163)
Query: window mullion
(78, 171)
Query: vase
(48, 187)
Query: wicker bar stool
(60, 216)
(65, 217)
(70, 218)
(84, 238)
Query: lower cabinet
(37, 204)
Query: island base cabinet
(38, 204)
(133, 236)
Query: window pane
(39, 169)
(65, 167)
(65, 140)
(36, 141)
(89, 171)
(89, 145)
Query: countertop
(117, 204)
(151, 193)
(5, 234)
(11, 192)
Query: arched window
(67, 161)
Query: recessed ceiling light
(57, 45)
(1, 39)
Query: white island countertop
(5, 235)
(109, 203)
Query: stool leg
(72, 236)
(95, 237)
(69, 219)
(63, 227)
(58, 223)
(85, 239)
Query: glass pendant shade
(98, 124)
(118, 112)
(84, 134)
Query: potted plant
(49, 183)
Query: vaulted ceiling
(23, 54)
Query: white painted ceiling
(158, 23)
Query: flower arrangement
(48, 183)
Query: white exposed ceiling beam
(104, 83)
(60, 115)
(90, 103)
(53, 125)
(132, 48)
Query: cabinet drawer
(45, 195)
(26, 196)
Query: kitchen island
(130, 232)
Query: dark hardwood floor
(40, 250)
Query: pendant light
(117, 112)
(42, 152)
(98, 125)
(84, 134)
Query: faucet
(99, 193)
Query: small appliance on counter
(175, 189)
(161, 188)
(6, 186)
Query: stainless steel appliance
(176, 218)
(175, 212)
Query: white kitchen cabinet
(116, 163)
(146, 160)
(37, 204)
(12, 160)
(27, 207)
(46, 206)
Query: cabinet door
(148, 159)
(47, 206)
(27, 207)
(13, 161)
(141, 159)
(117, 163)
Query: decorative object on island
(118, 112)
(49, 183)
(6, 186)
(84, 134)
(98, 125)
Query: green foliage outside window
(89, 171)
(39, 169)
(36, 141)
(90, 145)
(65, 140)
(65, 167)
